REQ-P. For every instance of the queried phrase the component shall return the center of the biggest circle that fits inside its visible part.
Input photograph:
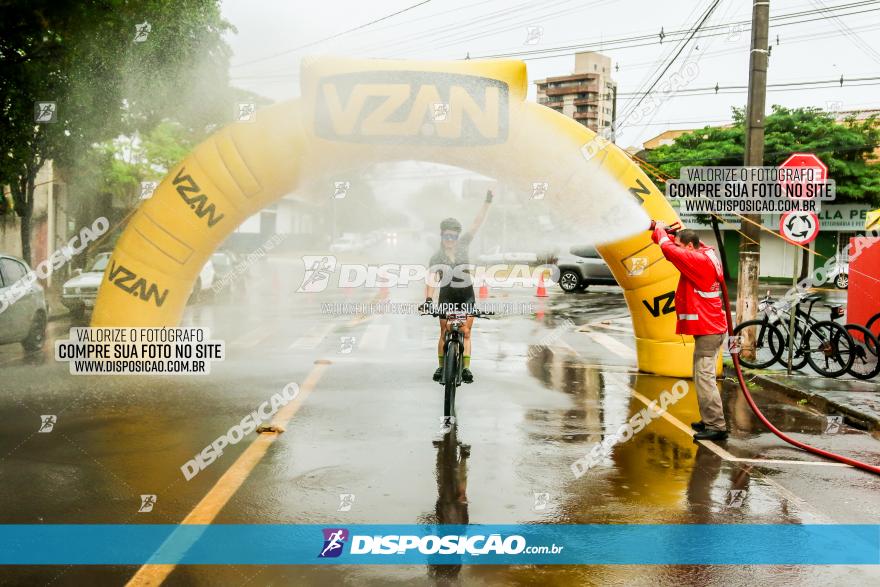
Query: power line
(653, 39)
(712, 89)
(855, 38)
(793, 40)
(701, 22)
(458, 32)
(809, 37)
(334, 36)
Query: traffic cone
(484, 290)
(542, 291)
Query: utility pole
(750, 248)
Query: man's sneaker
(467, 376)
(438, 373)
(698, 426)
(708, 434)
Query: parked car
(581, 268)
(225, 262)
(24, 319)
(839, 275)
(204, 282)
(497, 256)
(346, 243)
(80, 292)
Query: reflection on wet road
(365, 446)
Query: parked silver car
(23, 309)
(80, 292)
(839, 275)
(582, 267)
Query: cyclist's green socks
(467, 361)
(440, 360)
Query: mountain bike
(824, 344)
(761, 331)
(453, 363)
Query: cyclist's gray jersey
(462, 254)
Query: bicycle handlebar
(475, 314)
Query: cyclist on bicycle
(450, 267)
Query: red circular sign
(799, 228)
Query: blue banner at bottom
(722, 544)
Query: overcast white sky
(824, 49)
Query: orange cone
(542, 291)
(484, 290)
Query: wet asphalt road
(549, 384)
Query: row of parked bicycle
(828, 347)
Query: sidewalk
(857, 401)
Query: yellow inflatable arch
(359, 112)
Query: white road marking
(253, 337)
(311, 340)
(613, 345)
(375, 337)
(614, 327)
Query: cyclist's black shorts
(456, 299)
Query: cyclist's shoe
(467, 376)
(438, 374)
(698, 426)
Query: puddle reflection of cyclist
(457, 288)
(452, 505)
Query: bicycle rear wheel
(769, 343)
(865, 352)
(828, 348)
(450, 378)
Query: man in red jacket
(700, 311)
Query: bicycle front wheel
(450, 378)
(829, 349)
(768, 343)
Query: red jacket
(699, 306)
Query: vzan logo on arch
(393, 107)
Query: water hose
(803, 446)
(742, 385)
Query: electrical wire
(696, 28)
(635, 41)
(334, 36)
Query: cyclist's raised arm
(429, 289)
(481, 215)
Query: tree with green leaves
(846, 148)
(97, 69)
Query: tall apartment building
(588, 95)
